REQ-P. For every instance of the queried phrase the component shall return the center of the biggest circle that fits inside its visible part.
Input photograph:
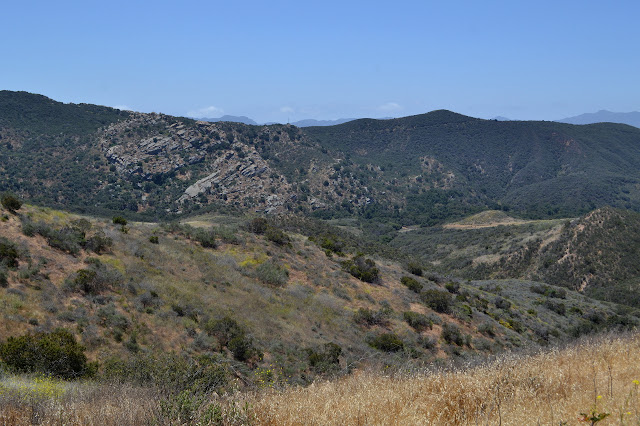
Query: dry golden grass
(548, 388)
(551, 388)
(77, 404)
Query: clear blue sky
(280, 60)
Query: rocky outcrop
(215, 161)
(264, 168)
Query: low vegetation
(57, 354)
(555, 387)
(588, 379)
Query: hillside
(534, 168)
(595, 253)
(148, 289)
(423, 169)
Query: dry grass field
(551, 388)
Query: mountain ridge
(421, 169)
(602, 116)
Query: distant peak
(232, 118)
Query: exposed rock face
(161, 151)
(226, 165)
(240, 179)
(265, 168)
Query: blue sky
(286, 60)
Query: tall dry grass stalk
(548, 388)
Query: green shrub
(257, 226)
(277, 236)
(487, 329)
(232, 335)
(69, 239)
(516, 325)
(414, 268)
(333, 244)
(452, 334)
(557, 307)
(224, 329)
(271, 273)
(452, 287)
(242, 348)
(98, 243)
(206, 237)
(549, 291)
(427, 342)
(82, 224)
(84, 281)
(109, 317)
(439, 301)
(147, 301)
(326, 359)
(8, 253)
(387, 342)
(56, 353)
(226, 234)
(11, 202)
(29, 228)
(119, 220)
(154, 239)
(417, 321)
(502, 303)
(95, 279)
(4, 281)
(367, 317)
(362, 268)
(411, 283)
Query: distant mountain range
(604, 116)
(301, 123)
(231, 118)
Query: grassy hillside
(474, 246)
(144, 289)
(272, 257)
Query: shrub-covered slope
(596, 253)
(537, 168)
(423, 169)
(245, 291)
